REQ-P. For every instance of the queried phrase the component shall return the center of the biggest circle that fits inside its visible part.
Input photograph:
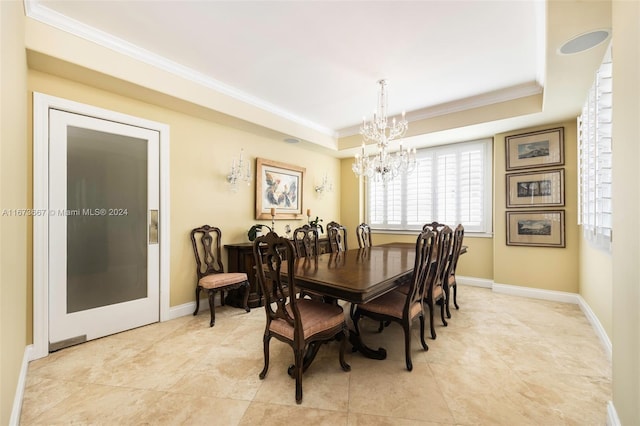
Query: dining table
(356, 276)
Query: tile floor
(503, 360)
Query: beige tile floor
(503, 360)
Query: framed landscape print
(536, 149)
(543, 228)
(535, 189)
(278, 186)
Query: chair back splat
(435, 289)
(273, 253)
(337, 237)
(208, 255)
(305, 239)
(363, 232)
(450, 277)
(304, 324)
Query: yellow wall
(537, 267)
(350, 199)
(201, 154)
(626, 207)
(14, 234)
(596, 286)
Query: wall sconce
(325, 186)
(240, 172)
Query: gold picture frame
(543, 228)
(535, 149)
(535, 189)
(278, 186)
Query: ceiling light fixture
(383, 166)
(583, 42)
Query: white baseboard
(185, 309)
(612, 415)
(16, 409)
(475, 282)
(597, 326)
(536, 293)
(188, 308)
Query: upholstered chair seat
(392, 305)
(315, 318)
(222, 280)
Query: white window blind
(594, 159)
(451, 184)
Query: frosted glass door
(104, 190)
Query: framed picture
(544, 228)
(535, 149)
(535, 189)
(278, 186)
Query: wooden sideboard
(240, 259)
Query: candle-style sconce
(324, 186)
(240, 172)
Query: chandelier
(383, 165)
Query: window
(594, 159)
(451, 184)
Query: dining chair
(450, 277)
(302, 323)
(363, 232)
(206, 242)
(434, 292)
(404, 308)
(305, 239)
(337, 235)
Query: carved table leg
(359, 346)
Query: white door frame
(41, 105)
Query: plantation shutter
(420, 190)
(451, 184)
(595, 156)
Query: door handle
(153, 227)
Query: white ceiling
(318, 62)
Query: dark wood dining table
(356, 276)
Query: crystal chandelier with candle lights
(383, 165)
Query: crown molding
(35, 10)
